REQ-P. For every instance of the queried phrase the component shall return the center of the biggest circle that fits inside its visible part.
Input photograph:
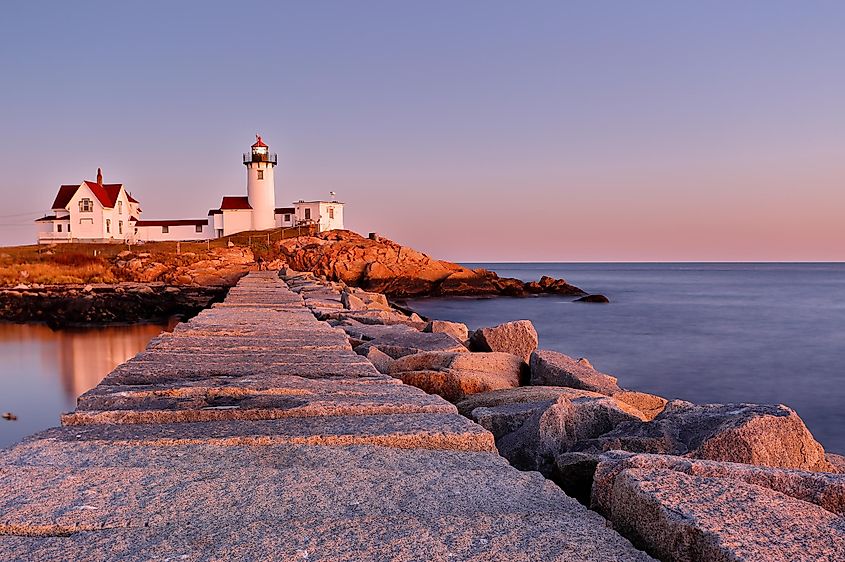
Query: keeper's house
(106, 212)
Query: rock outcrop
(380, 265)
(221, 267)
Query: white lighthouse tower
(260, 186)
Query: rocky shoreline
(681, 481)
(62, 306)
(379, 265)
(156, 286)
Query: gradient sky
(472, 130)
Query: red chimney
(99, 176)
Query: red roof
(215, 212)
(259, 142)
(47, 219)
(131, 199)
(232, 202)
(106, 194)
(176, 222)
(64, 196)
(284, 210)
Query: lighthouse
(260, 186)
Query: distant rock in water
(551, 285)
(594, 298)
(381, 265)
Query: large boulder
(352, 302)
(380, 360)
(545, 395)
(550, 368)
(400, 344)
(358, 299)
(454, 375)
(557, 428)
(365, 332)
(518, 337)
(504, 411)
(503, 363)
(649, 404)
(398, 340)
(456, 384)
(457, 330)
(768, 435)
(821, 488)
(677, 516)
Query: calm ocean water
(700, 332)
(42, 372)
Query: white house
(90, 212)
(97, 212)
(328, 215)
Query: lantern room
(259, 153)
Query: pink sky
(546, 132)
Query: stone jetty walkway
(254, 432)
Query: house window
(108, 226)
(287, 218)
(120, 207)
(199, 228)
(86, 221)
(308, 214)
(331, 212)
(68, 227)
(261, 174)
(86, 205)
(165, 229)
(120, 227)
(60, 228)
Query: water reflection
(42, 371)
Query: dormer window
(86, 206)
(120, 207)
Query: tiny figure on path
(260, 262)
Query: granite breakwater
(254, 431)
(303, 418)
